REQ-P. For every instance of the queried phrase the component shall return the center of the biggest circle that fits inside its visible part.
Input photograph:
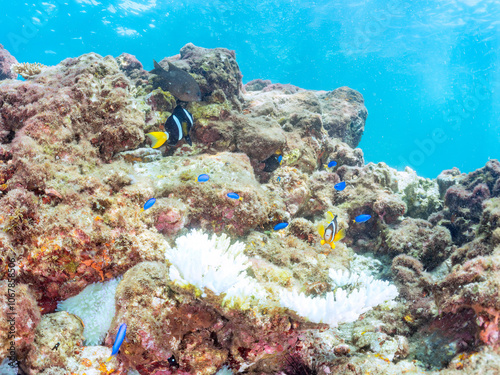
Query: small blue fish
(203, 178)
(148, 204)
(120, 336)
(279, 179)
(280, 159)
(361, 218)
(233, 196)
(332, 164)
(340, 186)
(280, 226)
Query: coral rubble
(208, 284)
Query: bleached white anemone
(341, 306)
(215, 264)
(95, 306)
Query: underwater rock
(466, 198)
(164, 320)
(82, 98)
(447, 179)
(435, 344)
(409, 275)
(161, 101)
(59, 328)
(344, 155)
(488, 175)
(267, 85)
(459, 199)
(213, 69)
(489, 226)
(59, 127)
(287, 88)
(143, 155)
(474, 286)
(383, 344)
(310, 113)
(208, 204)
(419, 239)
(132, 68)
(170, 216)
(344, 115)
(259, 138)
(464, 202)
(20, 210)
(421, 195)
(288, 109)
(292, 189)
(19, 316)
(6, 61)
(487, 235)
(415, 286)
(257, 84)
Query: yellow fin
(323, 242)
(331, 216)
(321, 230)
(332, 245)
(109, 359)
(340, 234)
(157, 138)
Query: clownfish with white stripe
(177, 127)
(331, 233)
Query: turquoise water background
(428, 70)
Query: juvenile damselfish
(177, 126)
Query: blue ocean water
(428, 70)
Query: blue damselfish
(362, 218)
(203, 178)
(120, 336)
(148, 204)
(340, 186)
(280, 226)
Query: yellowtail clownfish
(332, 233)
(177, 127)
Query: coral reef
(419, 239)
(6, 61)
(344, 115)
(19, 318)
(27, 70)
(164, 320)
(59, 328)
(208, 284)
